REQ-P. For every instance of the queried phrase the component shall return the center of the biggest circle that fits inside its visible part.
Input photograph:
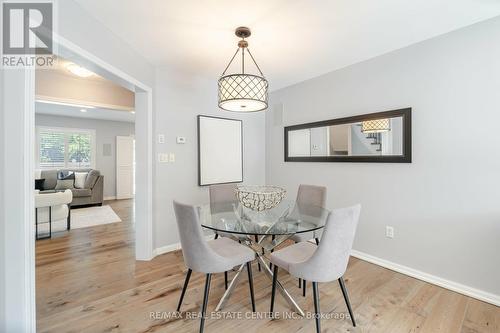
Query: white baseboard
(113, 197)
(447, 284)
(173, 247)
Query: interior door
(124, 167)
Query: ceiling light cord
(242, 60)
(230, 62)
(251, 56)
(242, 44)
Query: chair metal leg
(272, 250)
(50, 221)
(205, 302)
(250, 284)
(68, 222)
(317, 311)
(257, 241)
(216, 236)
(304, 288)
(300, 280)
(225, 280)
(317, 240)
(346, 298)
(36, 223)
(186, 282)
(273, 290)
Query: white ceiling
(292, 40)
(60, 68)
(74, 112)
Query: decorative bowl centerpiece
(260, 197)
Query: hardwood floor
(88, 281)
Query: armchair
(52, 207)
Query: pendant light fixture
(376, 126)
(243, 92)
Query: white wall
(106, 133)
(54, 86)
(180, 98)
(18, 277)
(2, 216)
(79, 27)
(445, 205)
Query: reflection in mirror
(379, 137)
(375, 137)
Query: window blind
(61, 148)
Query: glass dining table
(262, 231)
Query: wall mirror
(375, 137)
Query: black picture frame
(406, 157)
(199, 117)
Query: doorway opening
(20, 95)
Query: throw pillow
(65, 184)
(92, 179)
(65, 175)
(80, 178)
(39, 184)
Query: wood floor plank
(481, 317)
(88, 281)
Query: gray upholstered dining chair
(308, 197)
(324, 262)
(222, 199)
(215, 256)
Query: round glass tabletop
(287, 218)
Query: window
(65, 148)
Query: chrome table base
(269, 274)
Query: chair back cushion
(222, 197)
(309, 197)
(197, 254)
(329, 261)
(91, 179)
(50, 177)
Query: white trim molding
(438, 281)
(174, 247)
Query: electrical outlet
(161, 138)
(181, 140)
(389, 231)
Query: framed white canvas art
(220, 150)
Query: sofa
(90, 194)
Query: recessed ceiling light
(65, 103)
(78, 70)
(133, 112)
(83, 110)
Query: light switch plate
(161, 138)
(389, 231)
(171, 157)
(162, 158)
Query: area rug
(83, 218)
(92, 216)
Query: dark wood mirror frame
(405, 158)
